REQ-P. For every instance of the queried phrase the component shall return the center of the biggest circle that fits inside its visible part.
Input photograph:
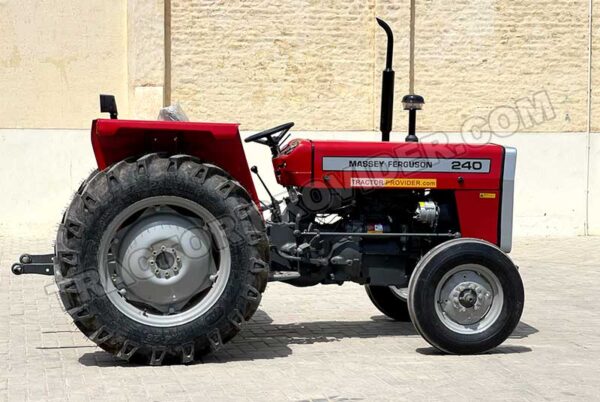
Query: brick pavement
(321, 343)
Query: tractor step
(40, 264)
(282, 276)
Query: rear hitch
(41, 264)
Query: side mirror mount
(108, 104)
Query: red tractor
(165, 249)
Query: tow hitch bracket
(41, 264)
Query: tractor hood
(346, 164)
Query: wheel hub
(165, 270)
(164, 261)
(465, 297)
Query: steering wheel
(267, 138)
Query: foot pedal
(41, 264)
(282, 276)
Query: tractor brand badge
(393, 183)
(367, 164)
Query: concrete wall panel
(56, 56)
(550, 185)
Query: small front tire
(465, 296)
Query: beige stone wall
(146, 64)
(56, 56)
(595, 73)
(473, 56)
(261, 62)
(315, 62)
(318, 62)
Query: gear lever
(274, 207)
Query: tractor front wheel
(161, 259)
(465, 296)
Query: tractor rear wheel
(161, 259)
(465, 296)
(390, 300)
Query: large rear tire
(161, 259)
(465, 296)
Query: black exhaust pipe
(411, 102)
(387, 86)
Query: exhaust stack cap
(413, 102)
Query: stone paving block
(321, 343)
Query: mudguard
(216, 143)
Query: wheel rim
(400, 293)
(469, 299)
(164, 261)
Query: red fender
(216, 143)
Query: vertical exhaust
(410, 102)
(387, 86)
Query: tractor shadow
(522, 331)
(262, 339)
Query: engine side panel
(472, 172)
(215, 143)
(348, 164)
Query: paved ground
(322, 343)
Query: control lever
(274, 207)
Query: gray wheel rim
(400, 293)
(469, 299)
(164, 261)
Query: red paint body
(302, 166)
(300, 163)
(216, 143)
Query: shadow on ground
(262, 339)
(431, 351)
